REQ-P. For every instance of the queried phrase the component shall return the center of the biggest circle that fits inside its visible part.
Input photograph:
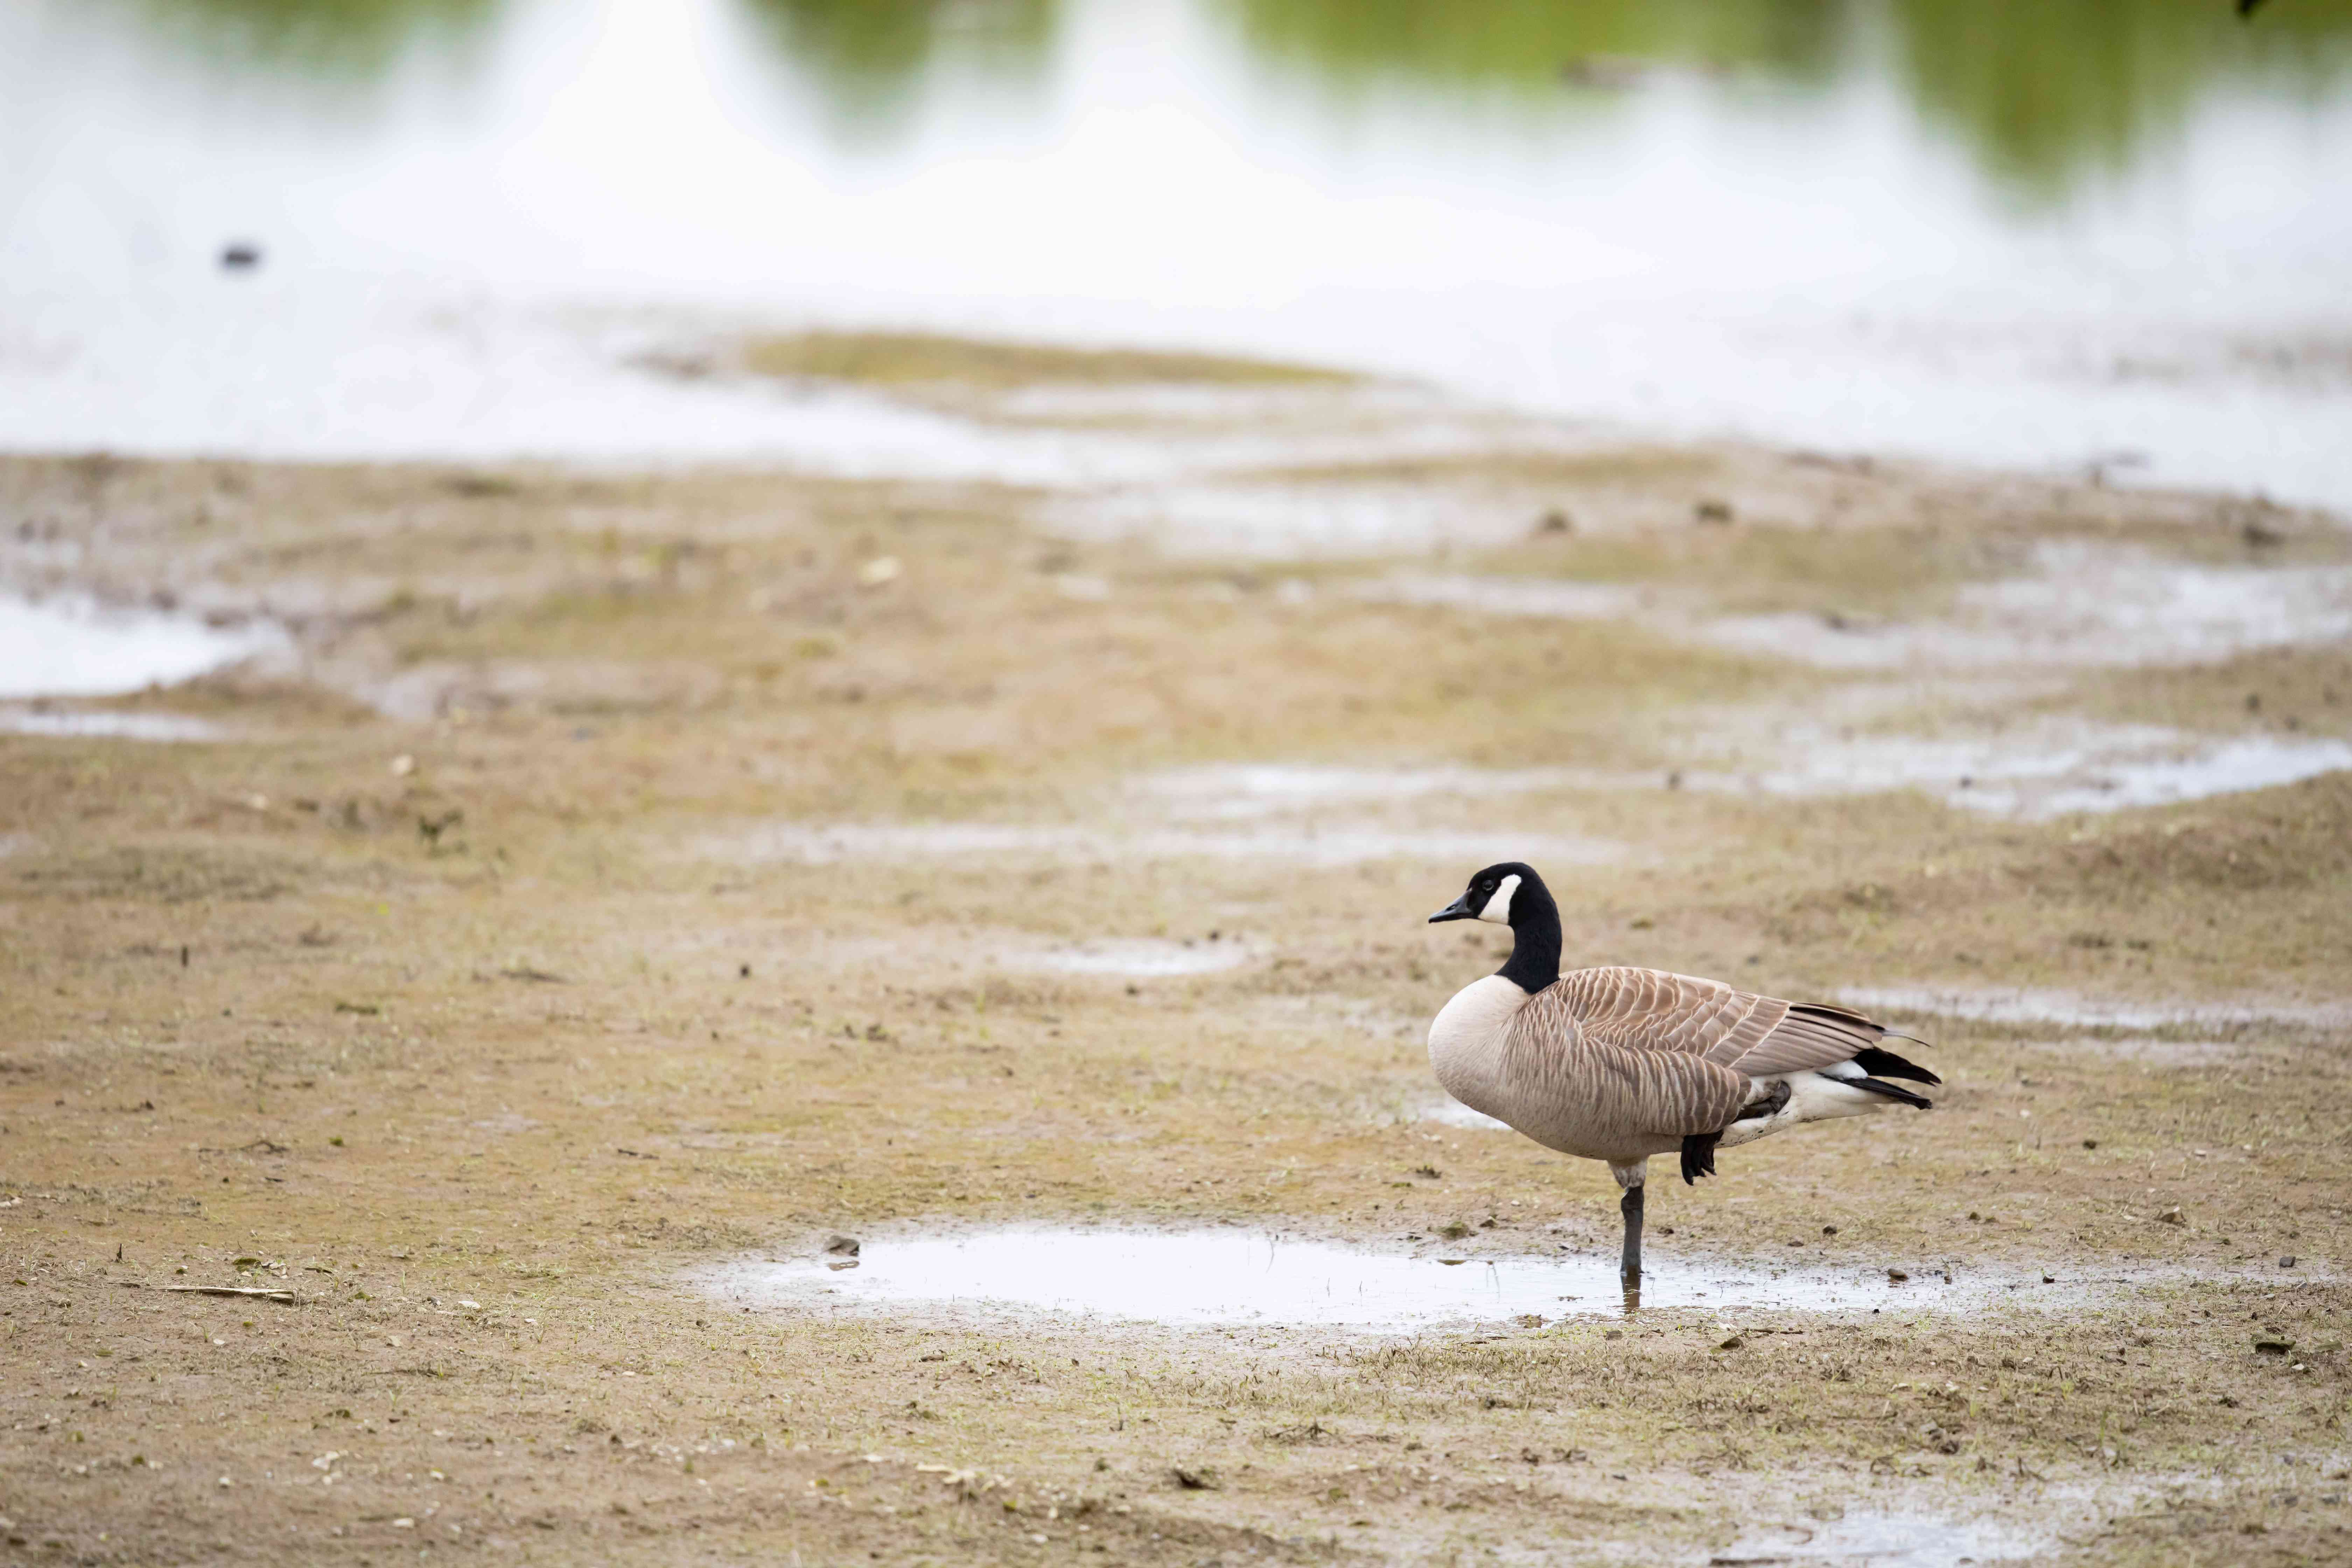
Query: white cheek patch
(1498, 908)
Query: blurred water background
(2043, 233)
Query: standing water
(2072, 233)
(1238, 1277)
(71, 647)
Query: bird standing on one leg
(1620, 1064)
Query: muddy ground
(622, 875)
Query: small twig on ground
(262, 1290)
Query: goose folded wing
(1810, 1036)
(1620, 1090)
(1653, 1010)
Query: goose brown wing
(1811, 1036)
(1619, 1089)
(1653, 1010)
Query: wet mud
(606, 889)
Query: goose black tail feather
(1877, 1086)
(1880, 1063)
(1699, 1156)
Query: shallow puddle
(1231, 1275)
(1245, 789)
(2089, 606)
(1285, 521)
(1549, 598)
(107, 725)
(1140, 957)
(1453, 1113)
(823, 844)
(1992, 1004)
(2120, 782)
(2085, 606)
(1884, 1539)
(2031, 771)
(71, 647)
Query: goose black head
(1490, 894)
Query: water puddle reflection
(1243, 790)
(823, 844)
(1137, 956)
(1817, 223)
(71, 647)
(106, 725)
(1540, 598)
(2031, 771)
(1885, 1539)
(2084, 606)
(1453, 1113)
(1229, 1277)
(2088, 606)
(1995, 1004)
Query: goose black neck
(1535, 937)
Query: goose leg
(1631, 1177)
(1631, 1207)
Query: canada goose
(1620, 1064)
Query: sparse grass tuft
(893, 358)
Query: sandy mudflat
(597, 886)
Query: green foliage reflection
(2046, 95)
(335, 40)
(2046, 91)
(869, 59)
(1531, 46)
(2042, 92)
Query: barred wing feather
(1653, 1010)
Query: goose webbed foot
(1699, 1156)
